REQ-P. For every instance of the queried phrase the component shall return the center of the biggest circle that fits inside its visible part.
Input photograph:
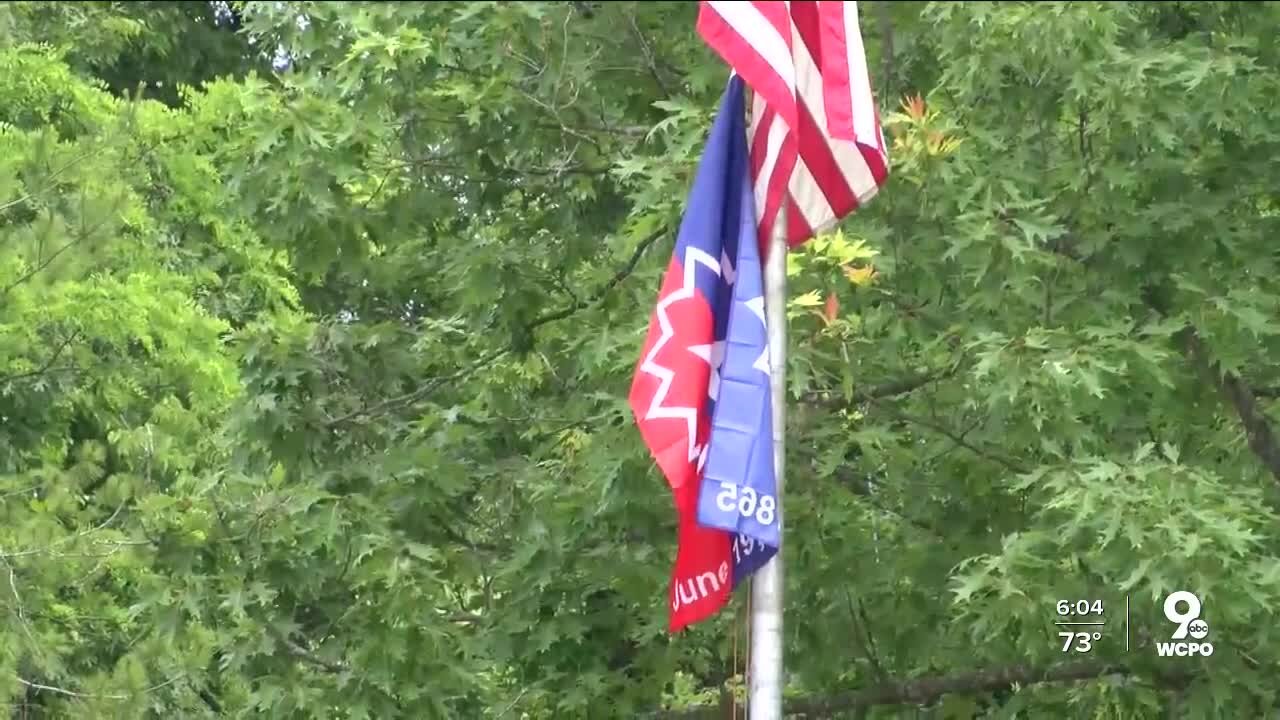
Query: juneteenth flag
(701, 390)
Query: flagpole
(766, 677)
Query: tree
(313, 377)
(147, 48)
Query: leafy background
(317, 321)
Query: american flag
(816, 141)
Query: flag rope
(746, 672)
(734, 628)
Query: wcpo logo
(1189, 624)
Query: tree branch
(1234, 390)
(649, 57)
(63, 541)
(81, 236)
(924, 690)
(302, 653)
(39, 267)
(489, 358)
(48, 365)
(927, 690)
(886, 46)
(49, 184)
(958, 439)
(84, 696)
(887, 389)
(62, 691)
(509, 171)
(424, 391)
(857, 487)
(1262, 441)
(599, 295)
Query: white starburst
(658, 409)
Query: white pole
(764, 701)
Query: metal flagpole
(765, 691)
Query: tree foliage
(317, 321)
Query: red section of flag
(668, 394)
(816, 141)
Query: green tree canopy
(317, 321)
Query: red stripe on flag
(775, 13)
(798, 229)
(817, 156)
(744, 57)
(776, 191)
(833, 62)
(760, 141)
(804, 13)
(876, 157)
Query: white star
(726, 267)
(713, 354)
(756, 306)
